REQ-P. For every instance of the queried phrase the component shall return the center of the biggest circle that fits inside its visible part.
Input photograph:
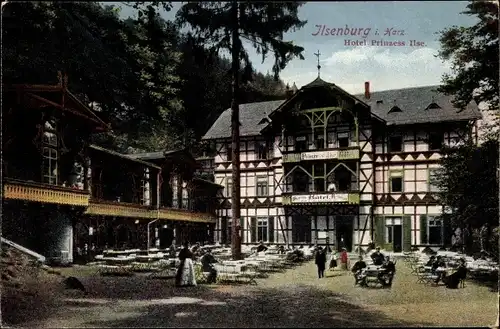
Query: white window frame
(431, 222)
(396, 174)
(262, 222)
(50, 153)
(260, 179)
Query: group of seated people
(451, 281)
(385, 274)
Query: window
(50, 153)
(262, 229)
(261, 186)
(435, 141)
(229, 152)
(261, 150)
(389, 228)
(433, 174)
(395, 109)
(396, 181)
(343, 139)
(435, 230)
(301, 229)
(229, 186)
(433, 106)
(301, 144)
(319, 185)
(319, 142)
(300, 181)
(395, 144)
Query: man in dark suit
(357, 270)
(387, 274)
(377, 257)
(320, 260)
(452, 281)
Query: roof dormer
(433, 106)
(395, 109)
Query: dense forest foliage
(155, 85)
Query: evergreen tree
(224, 25)
(474, 55)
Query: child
(333, 260)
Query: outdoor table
(444, 269)
(149, 258)
(118, 260)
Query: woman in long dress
(185, 273)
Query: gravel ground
(295, 298)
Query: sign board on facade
(321, 198)
(320, 155)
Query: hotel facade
(328, 167)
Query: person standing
(343, 259)
(333, 260)
(320, 262)
(185, 273)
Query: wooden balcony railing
(122, 209)
(44, 193)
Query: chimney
(367, 89)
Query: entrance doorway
(344, 232)
(301, 229)
(394, 233)
(166, 236)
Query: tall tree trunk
(235, 135)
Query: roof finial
(319, 66)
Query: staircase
(23, 250)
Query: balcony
(44, 193)
(338, 154)
(320, 198)
(123, 209)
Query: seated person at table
(195, 248)
(454, 279)
(357, 269)
(438, 263)
(261, 247)
(206, 264)
(431, 261)
(387, 274)
(281, 250)
(377, 257)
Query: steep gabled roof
(413, 103)
(122, 156)
(251, 114)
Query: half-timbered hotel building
(64, 197)
(324, 166)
